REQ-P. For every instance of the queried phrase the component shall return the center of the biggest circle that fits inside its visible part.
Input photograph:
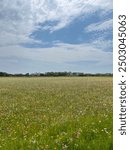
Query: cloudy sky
(56, 35)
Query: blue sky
(56, 35)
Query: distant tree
(4, 74)
(56, 74)
(27, 75)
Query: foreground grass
(70, 113)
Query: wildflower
(71, 139)
(105, 129)
(76, 145)
(64, 146)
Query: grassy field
(56, 113)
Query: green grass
(56, 113)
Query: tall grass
(56, 113)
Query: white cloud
(60, 54)
(102, 43)
(19, 18)
(100, 26)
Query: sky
(56, 35)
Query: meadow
(56, 113)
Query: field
(56, 113)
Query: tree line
(53, 74)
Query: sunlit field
(56, 113)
